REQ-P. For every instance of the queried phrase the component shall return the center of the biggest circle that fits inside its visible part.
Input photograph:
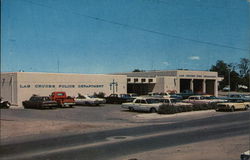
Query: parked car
(176, 96)
(174, 102)
(203, 99)
(159, 95)
(62, 99)
(39, 102)
(197, 99)
(88, 100)
(133, 95)
(119, 98)
(226, 88)
(214, 99)
(146, 104)
(233, 105)
(245, 155)
(243, 97)
(4, 104)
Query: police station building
(19, 86)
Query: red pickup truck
(62, 99)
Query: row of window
(142, 80)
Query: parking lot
(24, 124)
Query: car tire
(153, 110)
(6, 105)
(246, 107)
(232, 109)
(131, 109)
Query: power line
(194, 6)
(141, 28)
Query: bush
(170, 109)
(99, 95)
(167, 109)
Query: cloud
(166, 63)
(194, 58)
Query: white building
(204, 82)
(19, 86)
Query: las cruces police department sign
(60, 86)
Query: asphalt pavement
(119, 142)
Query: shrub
(170, 109)
(99, 95)
(167, 109)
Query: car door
(240, 105)
(32, 102)
(144, 105)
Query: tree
(138, 70)
(226, 70)
(239, 73)
(244, 67)
(221, 67)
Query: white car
(175, 102)
(146, 104)
(89, 100)
(203, 99)
(159, 95)
(245, 155)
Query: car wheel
(232, 109)
(7, 105)
(131, 109)
(246, 107)
(153, 110)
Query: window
(136, 80)
(150, 80)
(166, 101)
(143, 80)
(46, 98)
(138, 101)
(150, 101)
(143, 102)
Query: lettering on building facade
(60, 86)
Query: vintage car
(174, 102)
(119, 98)
(39, 102)
(233, 105)
(62, 99)
(243, 97)
(159, 95)
(145, 104)
(213, 99)
(89, 100)
(245, 155)
(4, 104)
(203, 99)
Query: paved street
(151, 132)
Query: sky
(109, 36)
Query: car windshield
(175, 100)
(150, 101)
(209, 97)
(125, 96)
(46, 98)
(60, 94)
